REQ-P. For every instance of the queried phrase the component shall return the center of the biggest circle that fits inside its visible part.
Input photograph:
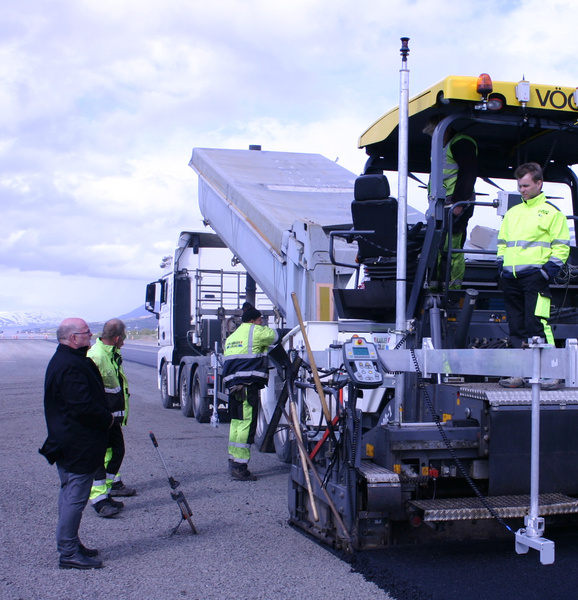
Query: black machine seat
(373, 209)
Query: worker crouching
(245, 373)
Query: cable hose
(566, 274)
(350, 468)
(355, 436)
(448, 444)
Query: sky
(102, 102)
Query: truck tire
(166, 400)
(262, 425)
(187, 408)
(283, 440)
(200, 400)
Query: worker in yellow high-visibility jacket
(245, 372)
(533, 245)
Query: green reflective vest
(450, 172)
(108, 360)
(246, 359)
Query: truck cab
(197, 309)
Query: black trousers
(527, 302)
(115, 451)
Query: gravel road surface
(244, 549)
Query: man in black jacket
(78, 420)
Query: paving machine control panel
(362, 363)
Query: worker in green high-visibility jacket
(460, 170)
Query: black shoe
(105, 510)
(87, 551)
(119, 489)
(237, 466)
(79, 561)
(115, 503)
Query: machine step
(498, 396)
(375, 474)
(507, 507)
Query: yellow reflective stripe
(238, 445)
(246, 374)
(527, 244)
(114, 390)
(522, 268)
(542, 309)
(238, 459)
(237, 356)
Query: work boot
(244, 475)
(115, 503)
(551, 384)
(79, 561)
(119, 489)
(241, 472)
(512, 382)
(82, 549)
(105, 510)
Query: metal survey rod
(177, 495)
(532, 535)
(402, 169)
(535, 446)
(215, 360)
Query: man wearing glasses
(78, 421)
(107, 482)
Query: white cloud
(102, 102)
(94, 299)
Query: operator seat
(373, 209)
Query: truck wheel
(262, 425)
(185, 395)
(283, 440)
(200, 400)
(166, 400)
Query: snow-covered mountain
(35, 319)
(30, 319)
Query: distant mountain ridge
(30, 319)
(138, 318)
(141, 311)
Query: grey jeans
(74, 493)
